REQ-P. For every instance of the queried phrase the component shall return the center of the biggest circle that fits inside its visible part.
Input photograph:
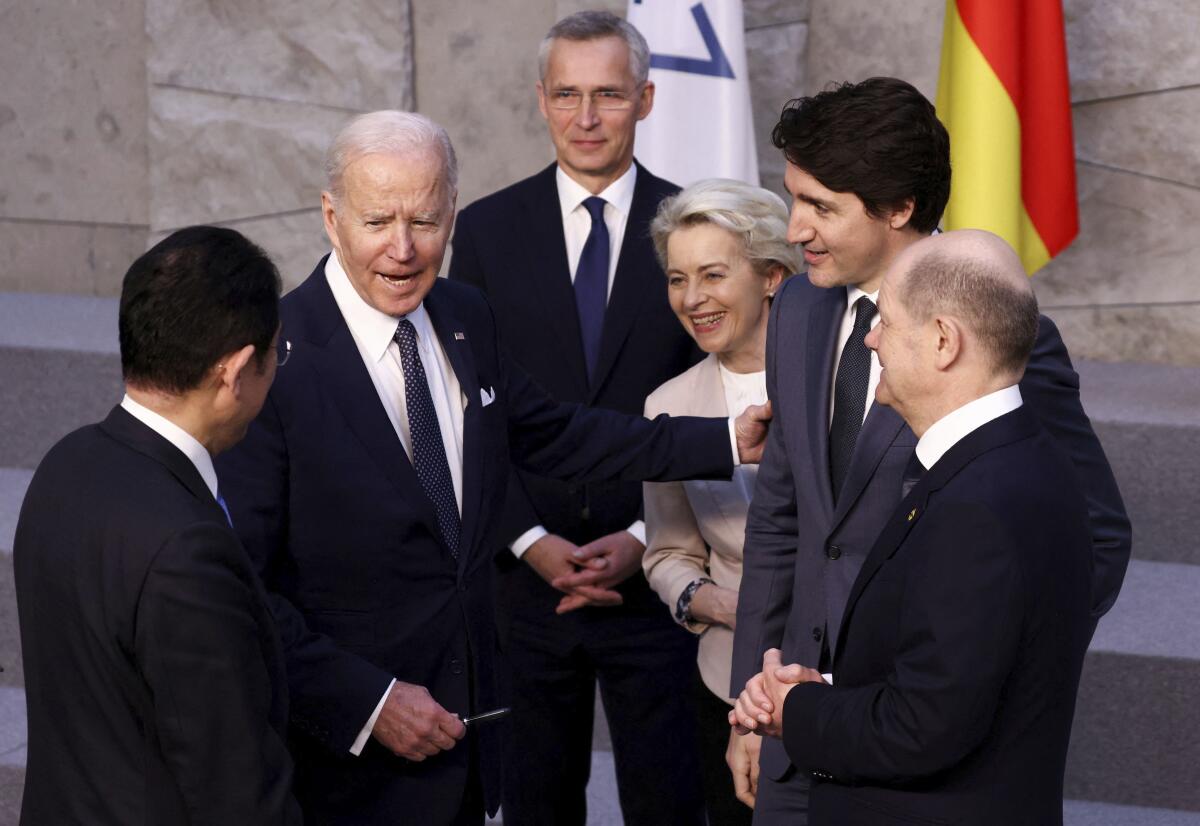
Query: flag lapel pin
(460, 337)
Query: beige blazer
(696, 529)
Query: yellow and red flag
(1004, 96)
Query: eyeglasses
(610, 99)
(283, 352)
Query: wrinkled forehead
(416, 176)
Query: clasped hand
(759, 708)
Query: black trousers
(712, 727)
(643, 664)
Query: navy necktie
(591, 284)
(912, 474)
(850, 395)
(428, 451)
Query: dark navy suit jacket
(803, 554)
(330, 508)
(959, 656)
(510, 244)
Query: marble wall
(154, 114)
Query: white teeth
(701, 321)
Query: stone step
(1148, 421)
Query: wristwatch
(683, 605)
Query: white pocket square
(487, 395)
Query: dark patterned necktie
(428, 451)
(912, 474)
(850, 395)
(591, 284)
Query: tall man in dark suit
(153, 672)
(869, 174)
(581, 303)
(369, 488)
(955, 672)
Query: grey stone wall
(1125, 289)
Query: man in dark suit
(869, 174)
(581, 304)
(153, 672)
(955, 672)
(368, 491)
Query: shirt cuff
(523, 542)
(361, 740)
(737, 460)
(638, 531)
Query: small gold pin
(460, 337)
(912, 514)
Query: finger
(744, 713)
(772, 659)
(453, 727)
(741, 784)
(586, 552)
(571, 602)
(575, 579)
(756, 695)
(790, 673)
(600, 596)
(442, 741)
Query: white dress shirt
(852, 296)
(188, 445)
(373, 333)
(742, 390)
(952, 428)
(577, 225)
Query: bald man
(955, 673)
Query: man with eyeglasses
(566, 260)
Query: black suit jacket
(959, 657)
(153, 674)
(331, 510)
(803, 552)
(510, 244)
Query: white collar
(176, 435)
(854, 293)
(618, 194)
(947, 431)
(372, 328)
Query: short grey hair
(387, 131)
(974, 288)
(757, 216)
(594, 25)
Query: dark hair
(879, 139)
(1003, 316)
(198, 294)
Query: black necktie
(591, 284)
(429, 453)
(850, 395)
(912, 474)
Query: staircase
(1134, 757)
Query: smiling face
(843, 244)
(390, 227)
(717, 295)
(593, 146)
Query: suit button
(833, 552)
(817, 634)
(456, 665)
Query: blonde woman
(723, 247)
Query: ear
(541, 90)
(231, 369)
(775, 278)
(329, 215)
(646, 102)
(949, 344)
(900, 217)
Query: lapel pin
(912, 514)
(460, 337)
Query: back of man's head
(978, 278)
(195, 296)
(879, 139)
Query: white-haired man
(367, 489)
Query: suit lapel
(823, 318)
(335, 357)
(550, 274)
(635, 282)
(880, 429)
(125, 428)
(452, 334)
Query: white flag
(701, 124)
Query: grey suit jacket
(803, 553)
